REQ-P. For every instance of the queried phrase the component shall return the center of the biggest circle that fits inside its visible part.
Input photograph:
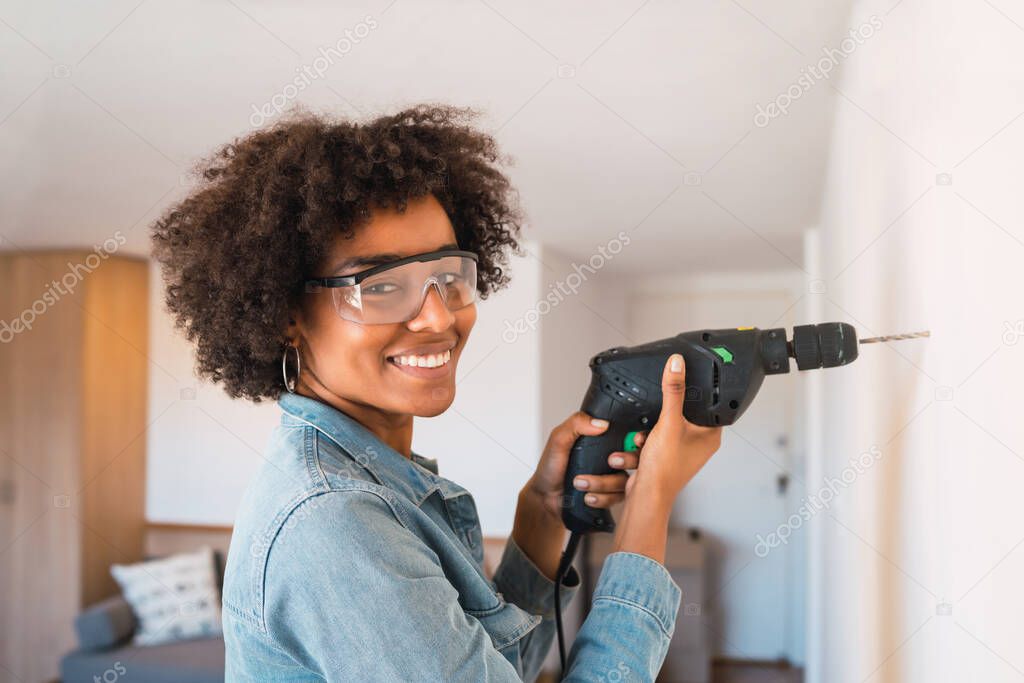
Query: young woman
(335, 267)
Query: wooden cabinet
(73, 368)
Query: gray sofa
(105, 651)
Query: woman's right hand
(670, 456)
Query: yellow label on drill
(744, 328)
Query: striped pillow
(174, 598)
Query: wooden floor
(736, 673)
(754, 673)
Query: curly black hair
(235, 252)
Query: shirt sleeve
(352, 594)
(522, 583)
(626, 635)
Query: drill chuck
(826, 345)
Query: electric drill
(724, 371)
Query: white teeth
(428, 361)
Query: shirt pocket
(507, 625)
(464, 521)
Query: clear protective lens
(397, 294)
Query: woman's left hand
(603, 490)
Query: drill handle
(589, 455)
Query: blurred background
(684, 165)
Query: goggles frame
(313, 285)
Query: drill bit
(895, 337)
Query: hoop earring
(289, 383)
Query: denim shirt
(351, 562)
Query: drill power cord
(563, 567)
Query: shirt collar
(417, 477)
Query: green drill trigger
(628, 444)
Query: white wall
(201, 446)
(922, 555)
(579, 326)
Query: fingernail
(616, 460)
(676, 364)
(580, 483)
(597, 422)
(590, 499)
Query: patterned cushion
(174, 598)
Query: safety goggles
(394, 292)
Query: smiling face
(384, 368)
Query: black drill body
(724, 371)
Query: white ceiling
(613, 111)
